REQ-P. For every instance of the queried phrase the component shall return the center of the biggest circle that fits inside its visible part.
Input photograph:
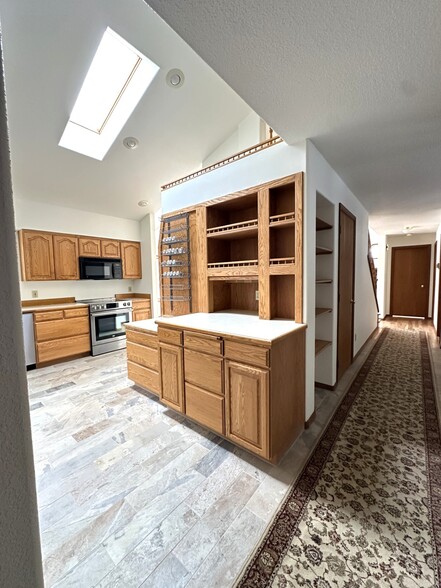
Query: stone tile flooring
(130, 494)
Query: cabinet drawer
(170, 336)
(147, 339)
(203, 370)
(141, 304)
(247, 353)
(205, 343)
(205, 408)
(60, 348)
(73, 312)
(50, 315)
(47, 331)
(141, 315)
(144, 377)
(142, 355)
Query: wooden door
(247, 406)
(66, 257)
(37, 256)
(110, 248)
(410, 279)
(172, 376)
(89, 247)
(131, 260)
(346, 283)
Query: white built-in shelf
(323, 251)
(319, 311)
(322, 225)
(323, 281)
(320, 345)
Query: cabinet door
(66, 257)
(110, 248)
(37, 256)
(131, 260)
(172, 376)
(89, 247)
(247, 407)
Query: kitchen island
(237, 375)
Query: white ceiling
(48, 47)
(362, 79)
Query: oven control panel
(110, 306)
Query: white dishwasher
(29, 340)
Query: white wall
(20, 557)
(380, 240)
(402, 241)
(272, 163)
(320, 177)
(47, 217)
(249, 132)
(145, 284)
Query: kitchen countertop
(147, 325)
(46, 307)
(235, 324)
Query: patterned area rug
(366, 510)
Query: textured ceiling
(48, 47)
(361, 79)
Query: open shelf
(321, 310)
(237, 230)
(234, 295)
(236, 211)
(227, 264)
(282, 220)
(324, 281)
(282, 297)
(282, 200)
(320, 345)
(321, 225)
(323, 251)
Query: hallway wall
(20, 556)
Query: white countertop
(46, 307)
(232, 323)
(147, 325)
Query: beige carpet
(366, 510)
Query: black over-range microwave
(98, 268)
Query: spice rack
(174, 262)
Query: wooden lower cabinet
(247, 407)
(252, 394)
(60, 334)
(172, 376)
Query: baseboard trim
(373, 334)
(325, 386)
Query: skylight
(117, 78)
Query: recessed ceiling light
(130, 142)
(143, 203)
(175, 78)
(117, 78)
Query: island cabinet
(143, 356)
(250, 391)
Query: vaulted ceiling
(361, 79)
(48, 46)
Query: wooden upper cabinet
(110, 248)
(89, 247)
(131, 260)
(66, 257)
(37, 255)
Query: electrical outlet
(257, 294)
(34, 293)
(130, 288)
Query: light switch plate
(34, 293)
(257, 294)
(129, 289)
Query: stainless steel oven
(107, 320)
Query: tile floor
(130, 494)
